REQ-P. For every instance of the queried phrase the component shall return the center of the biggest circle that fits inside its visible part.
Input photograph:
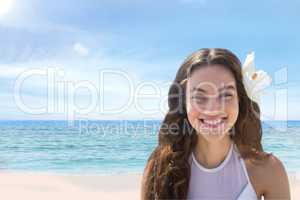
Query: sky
(138, 46)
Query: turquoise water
(110, 147)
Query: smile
(213, 124)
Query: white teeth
(212, 121)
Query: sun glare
(5, 6)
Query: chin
(212, 136)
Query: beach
(36, 186)
(50, 160)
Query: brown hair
(167, 173)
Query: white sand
(37, 186)
(295, 185)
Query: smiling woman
(5, 6)
(216, 150)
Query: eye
(226, 95)
(199, 99)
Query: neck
(212, 153)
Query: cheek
(232, 109)
(192, 114)
(192, 109)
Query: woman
(210, 139)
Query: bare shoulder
(270, 178)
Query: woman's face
(212, 101)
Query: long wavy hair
(167, 172)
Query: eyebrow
(228, 87)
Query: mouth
(213, 124)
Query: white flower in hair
(254, 81)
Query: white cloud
(8, 72)
(80, 49)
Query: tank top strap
(249, 190)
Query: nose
(213, 106)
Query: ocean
(110, 147)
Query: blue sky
(148, 40)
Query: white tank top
(228, 181)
